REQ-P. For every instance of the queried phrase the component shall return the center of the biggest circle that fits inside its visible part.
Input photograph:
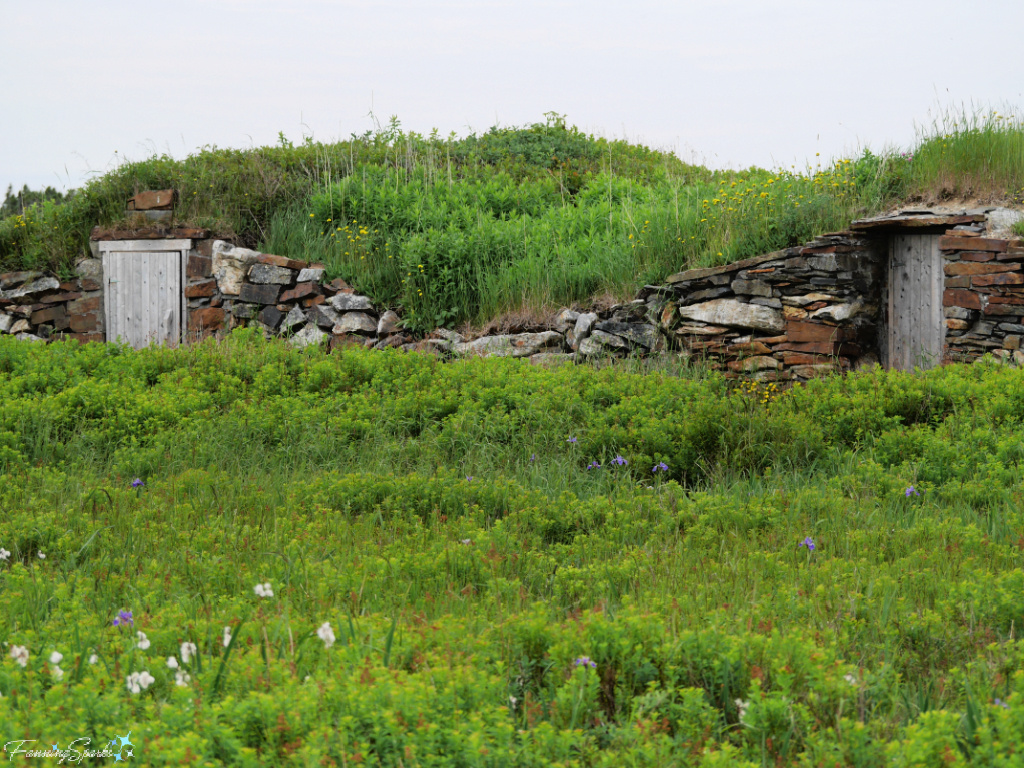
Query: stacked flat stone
(983, 300)
(38, 307)
(792, 314)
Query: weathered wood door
(916, 325)
(144, 302)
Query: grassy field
(517, 221)
(249, 555)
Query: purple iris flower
(584, 661)
(124, 618)
(809, 543)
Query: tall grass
(969, 154)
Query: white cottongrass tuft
(326, 634)
(850, 679)
(172, 662)
(20, 654)
(57, 672)
(263, 590)
(227, 636)
(143, 642)
(139, 681)
(42, 556)
(94, 659)
(56, 657)
(188, 650)
(181, 678)
(741, 705)
(4, 554)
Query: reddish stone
(821, 348)
(960, 281)
(954, 297)
(69, 286)
(973, 268)
(300, 291)
(802, 358)
(216, 301)
(207, 318)
(92, 304)
(281, 261)
(89, 284)
(200, 290)
(976, 256)
(1006, 299)
(60, 297)
(204, 248)
(340, 286)
(49, 315)
(815, 305)
(1004, 309)
(800, 331)
(760, 271)
(198, 266)
(1014, 252)
(85, 323)
(950, 243)
(1007, 278)
(306, 303)
(156, 200)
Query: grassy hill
(516, 220)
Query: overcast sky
(730, 83)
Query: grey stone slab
(736, 314)
(351, 302)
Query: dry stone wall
(791, 315)
(229, 287)
(983, 300)
(39, 307)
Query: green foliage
(443, 523)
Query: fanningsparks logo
(119, 749)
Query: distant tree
(16, 202)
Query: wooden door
(916, 326)
(144, 301)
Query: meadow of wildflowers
(370, 558)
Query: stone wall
(983, 301)
(229, 287)
(793, 314)
(38, 307)
(786, 316)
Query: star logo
(118, 744)
(54, 747)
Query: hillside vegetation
(454, 230)
(245, 554)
